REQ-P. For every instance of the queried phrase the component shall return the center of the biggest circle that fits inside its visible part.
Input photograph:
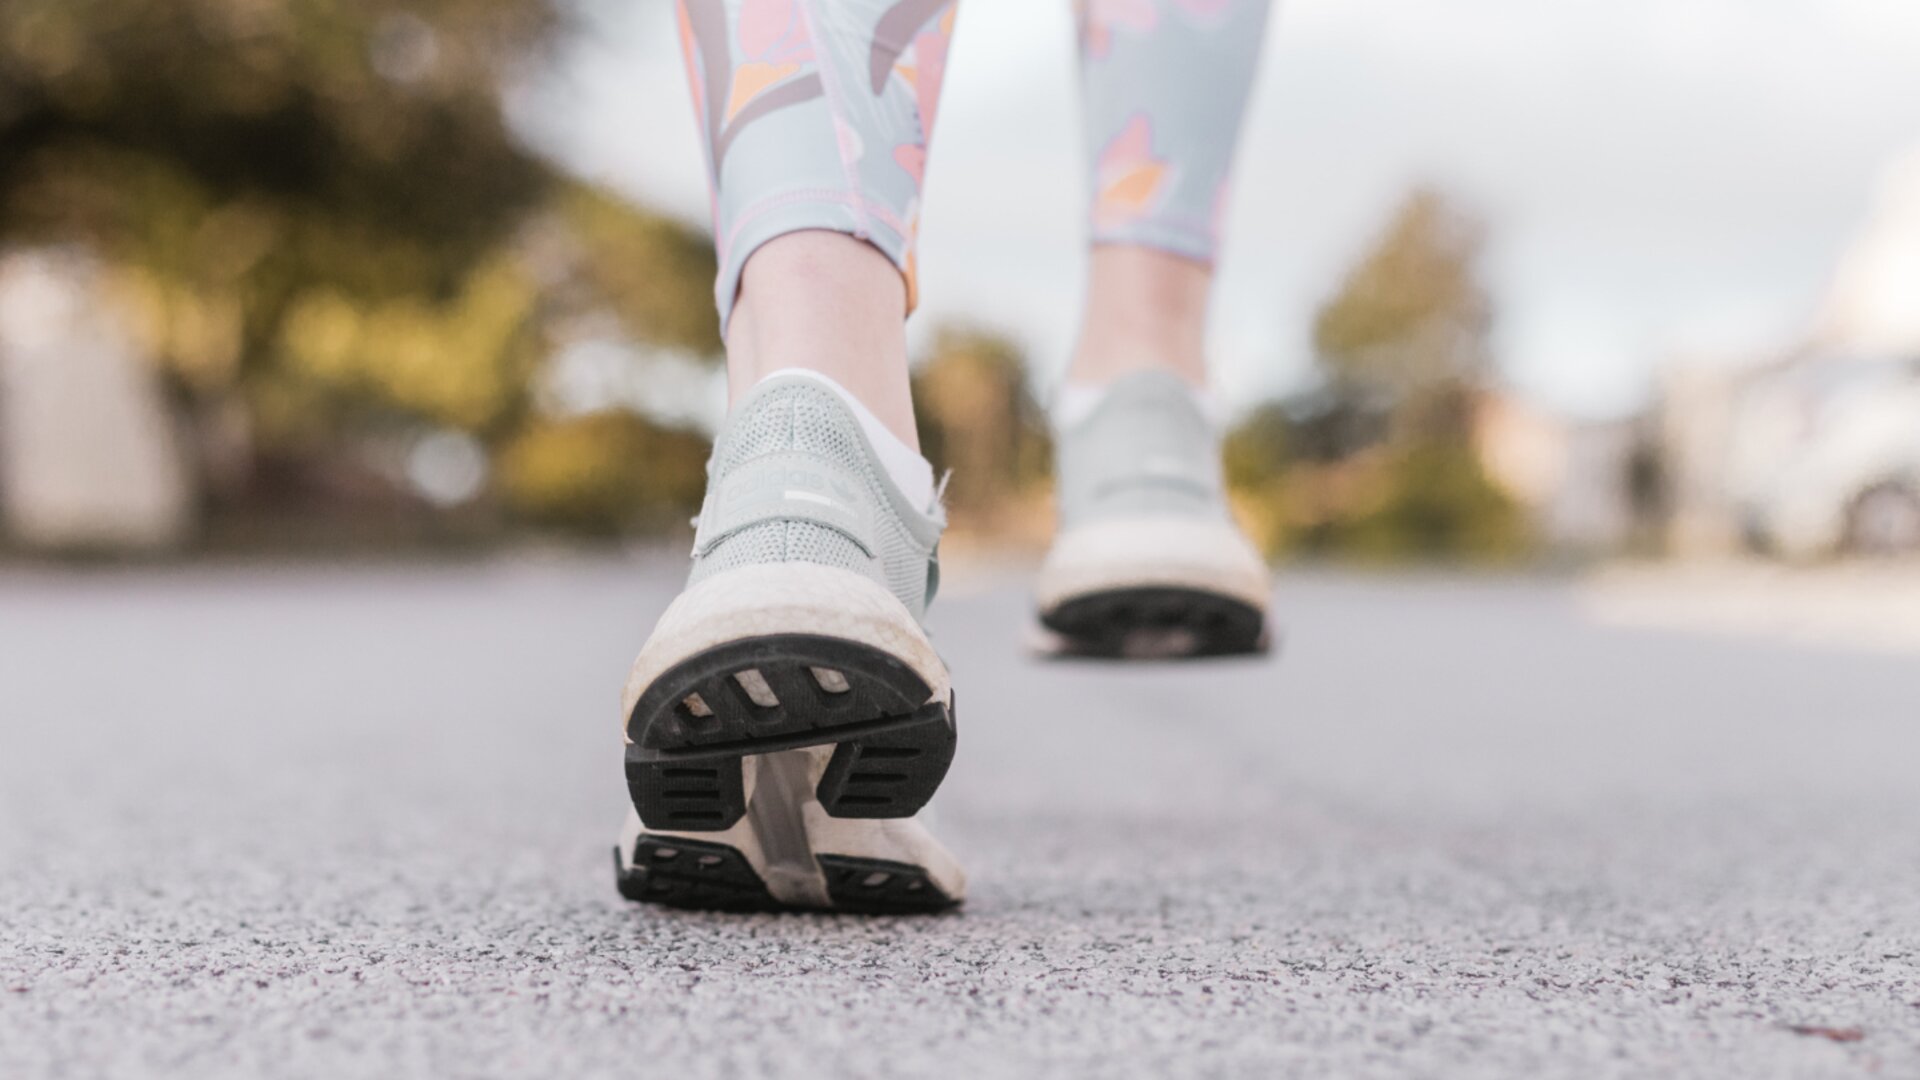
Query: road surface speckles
(338, 822)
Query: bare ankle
(825, 302)
(1145, 310)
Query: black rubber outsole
(693, 724)
(881, 887)
(697, 875)
(1156, 623)
(693, 874)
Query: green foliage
(655, 274)
(605, 473)
(320, 221)
(1380, 461)
(463, 362)
(1412, 314)
(361, 144)
(1257, 450)
(978, 417)
(1438, 503)
(242, 154)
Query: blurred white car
(1825, 458)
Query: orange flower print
(1128, 179)
(773, 42)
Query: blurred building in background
(1874, 305)
(90, 454)
(1815, 450)
(1582, 482)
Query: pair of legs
(819, 117)
(788, 717)
(827, 302)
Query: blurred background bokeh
(315, 276)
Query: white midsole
(1172, 552)
(784, 598)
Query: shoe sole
(780, 657)
(701, 876)
(697, 875)
(784, 722)
(1154, 623)
(789, 853)
(1153, 589)
(692, 726)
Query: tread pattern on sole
(692, 725)
(698, 875)
(881, 887)
(1157, 623)
(695, 874)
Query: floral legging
(817, 115)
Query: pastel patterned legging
(817, 115)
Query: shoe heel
(689, 796)
(892, 773)
(693, 724)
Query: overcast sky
(1661, 176)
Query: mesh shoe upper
(1146, 450)
(793, 479)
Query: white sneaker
(1148, 562)
(788, 717)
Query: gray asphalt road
(344, 822)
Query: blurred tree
(1430, 500)
(1409, 328)
(605, 473)
(1257, 457)
(1379, 460)
(654, 273)
(1258, 449)
(318, 213)
(978, 417)
(259, 148)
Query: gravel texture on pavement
(355, 821)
